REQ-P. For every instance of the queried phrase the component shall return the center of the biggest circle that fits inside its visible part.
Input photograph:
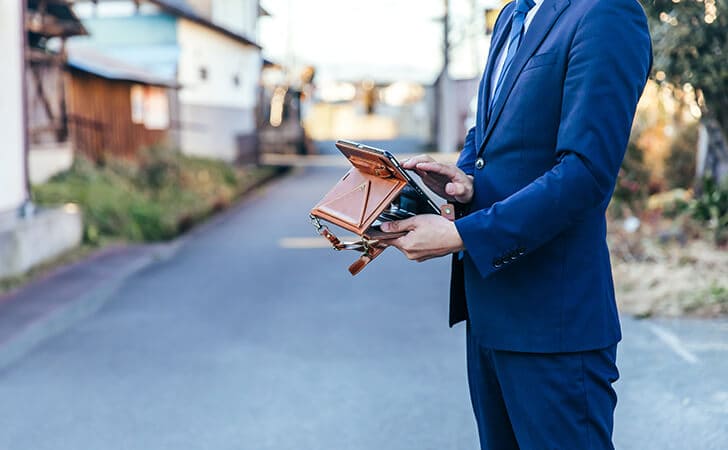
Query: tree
(690, 39)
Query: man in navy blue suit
(531, 271)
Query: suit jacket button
(521, 251)
(479, 163)
(497, 263)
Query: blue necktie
(514, 40)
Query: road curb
(64, 317)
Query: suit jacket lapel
(499, 39)
(537, 31)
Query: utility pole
(446, 120)
(290, 58)
(446, 37)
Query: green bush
(154, 199)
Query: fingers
(412, 162)
(447, 170)
(398, 243)
(399, 225)
(384, 242)
(404, 245)
(401, 243)
(433, 177)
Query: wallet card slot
(372, 167)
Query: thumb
(454, 189)
(399, 225)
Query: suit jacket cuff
(489, 249)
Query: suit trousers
(540, 401)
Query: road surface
(254, 336)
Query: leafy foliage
(690, 39)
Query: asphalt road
(248, 338)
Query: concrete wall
(47, 160)
(12, 149)
(40, 238)
(211, 131)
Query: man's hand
(445, 180)
(428, 236)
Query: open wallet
(375, 190)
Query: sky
(377, 39)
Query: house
(27, 236)
(207, 46)
(82, 102)
(115, 109)
(48, 25)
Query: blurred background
(160, 286)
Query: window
(203, 73)
(236, 80)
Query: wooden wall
(100, 118)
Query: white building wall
(12, 150)
(222, 58)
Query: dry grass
(669, 274)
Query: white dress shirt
(504, 51)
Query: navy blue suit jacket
(536, 275)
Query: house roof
(180, 8)
(55, 18)
(91, 61)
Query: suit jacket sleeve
(607, 66)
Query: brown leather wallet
(367, 195)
